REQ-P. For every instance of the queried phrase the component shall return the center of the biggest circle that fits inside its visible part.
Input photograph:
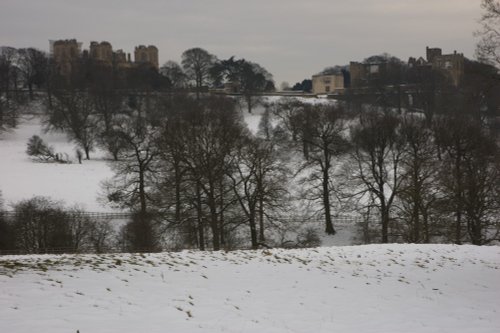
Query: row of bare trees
(197, 171)
(192, 173)
(195, 168)
(423, 181)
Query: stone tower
(146, 55)
(432, 53)
(357, 71)
(65, 53)
(102, 52)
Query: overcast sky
(291, 39)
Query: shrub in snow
(37, 148)
(308, 238)
(42, 225)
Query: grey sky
(291, 39)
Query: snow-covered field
(373, 288)
(22, 178)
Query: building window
(327, 89)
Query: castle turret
(146, 55)
(102, 52)
(432, 53)
(65, 53)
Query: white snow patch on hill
(375, 288)
(22, 178)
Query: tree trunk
(385, 223)
(249, 103)
(425, 222)
(178, 180)
(458, 203)
(215, 227)
(326, 203)
(326, 192)
(214, 223)
(142, 192)
(261, 220)
(201, 231)
(253, 232)
(416, 220)
(221, 218)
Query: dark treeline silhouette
(191, 173)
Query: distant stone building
(146, 55)
(122, 59)
(102, 52)
(450, 64)
(381, 72)
(65, 54)
(327, 83)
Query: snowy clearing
(374, 288)
(21, 178)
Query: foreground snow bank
(375, 288)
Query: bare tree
(134, 173)
(378, 149)
(265, 128)
(135, 180)
(482, 193)
(73, 112)
(212, 131)
(325, 139)
(419, 193)
(288, 112)
(259, 183)
(177, 196)
(33, 65)
(173, 71)
(197, 63)
(41, 225)
(488, 47)
(469, 178)
(9, 75)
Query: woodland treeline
(419, 164)
(188, 166)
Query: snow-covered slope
(375, 288)
(22, 178)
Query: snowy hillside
(21, 178)
(390, 288)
